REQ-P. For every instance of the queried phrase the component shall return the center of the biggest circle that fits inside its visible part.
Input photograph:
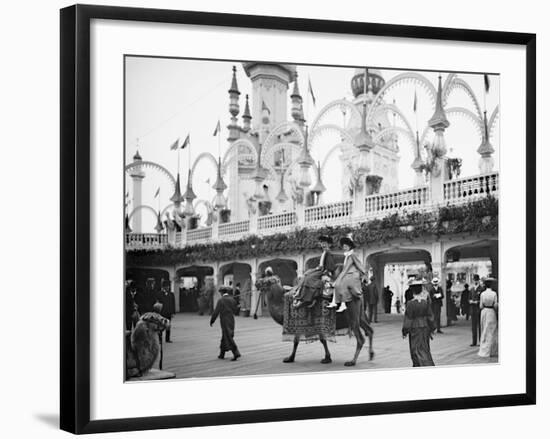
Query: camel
(353, 318)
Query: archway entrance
(190, 282)
(392, 268)
(143, 276)
(286, 269)
(237, 275)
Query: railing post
(437, 181)
(215, 229)
(300, 214)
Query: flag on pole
(127, 194)
(487, 84)
(186, 142)
(174, 145)
(207, 180)
(157, 193)
(310, 90)
(415, 102)
(218, 129)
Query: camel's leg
(368, 332)
(327, 358)
(290, 358)
(354, 314)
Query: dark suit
(474, 312)
(226, 308)
(371, 297)
(168, 301)
(436, 297)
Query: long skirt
(311, 286)
(348, 288)
(227, 343)
(419, 345)
(488, 345)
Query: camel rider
(348, 283)
(311, 286)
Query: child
(226, 309)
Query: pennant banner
(487, 84)
(186, 142)
(415, 102)
(174, 145)
(310, 90)
(217, 130)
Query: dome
(357, 82)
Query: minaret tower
(137, 176)
(269, 89)
(234, 109)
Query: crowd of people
(335, 285)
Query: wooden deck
(194, 350)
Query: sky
(168, 98)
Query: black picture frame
(75, 217)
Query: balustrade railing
(276, 221)
(413, 198)
(146, 240)
(234, 228)
(337, 213)
(201, 234)
(465, 189)
(333, 212)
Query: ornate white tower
(269, 91)
(137, 176)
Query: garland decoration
(477, 216)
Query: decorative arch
(459, 84)
(142, 207)
(329, 127)
(492, 120)
(266, 159)
(447, 87)
(152, 165)
(407, 77)
(338, 104)
(282, 128)
(409, 135)
(460, 111)
(163, 211)
(234, 148)
(209, 209)
(203, 156)
(395, 110)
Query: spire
(305, 161)
(234, 87)
(127, 224)
(177, 197)
(219, 185)
(282, 197)
(234, 108)
(417, 162)
(246, 117)
(319, 186)
(363, 139)
(296, 90)
(439, 119)
(485, 149)
(189, 195)
(137, 157)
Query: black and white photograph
(303, 219)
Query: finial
(234, 87)
(439, 119)
(177, 197)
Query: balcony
(347, 212)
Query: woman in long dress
(419, 324)
(488, 303)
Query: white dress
(488, 302)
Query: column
(359, 199)
(175, 285)
(437, 181)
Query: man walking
(168, 301)
(437, 296)
(372, 301)
(475, 292)
(388, 294)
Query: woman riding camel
(348, 283)
(310, 289)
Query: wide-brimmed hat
(435, 280)
(347, 241)
(225, 290)
(325, 238)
